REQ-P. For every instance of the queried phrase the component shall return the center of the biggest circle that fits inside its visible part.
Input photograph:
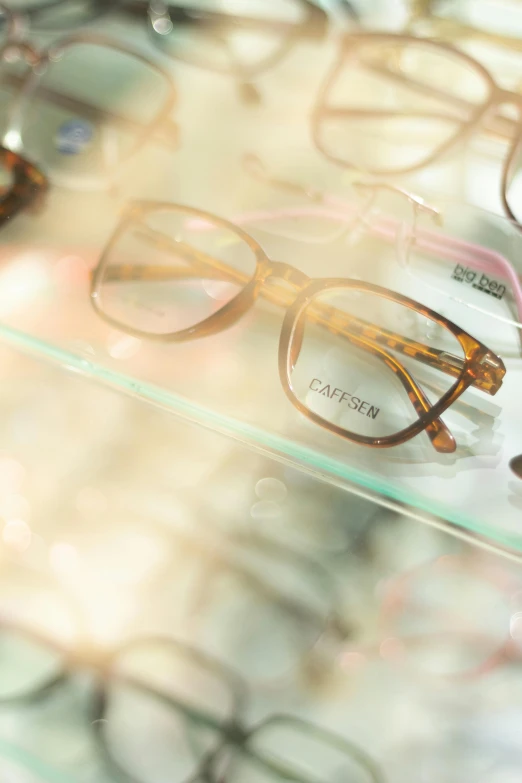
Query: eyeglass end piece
(443, 441)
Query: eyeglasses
(393, 104)
(243, 42)
(464, 20)
(455, 251)
(453, 617)
(160, 708)
(261, 606)
(57, 113)
(354, 357)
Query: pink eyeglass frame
(392, 646)
(451, 248)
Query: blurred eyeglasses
(241, 38)
(484, 21)
(160, 709)
(456, 251)
(454, 617)
(261, 606)
(80, 109)
(353, 357)
(393, 104)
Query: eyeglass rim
(323, 735)
(30, 82)
(232, 311)
(481, 569)
(231, 729)
(348, 46)
(473, 350)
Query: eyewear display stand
(229, 382)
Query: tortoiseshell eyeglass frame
(480, 367)
(485, 116)
(27, 187)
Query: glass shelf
(119, 522)
(229, 383)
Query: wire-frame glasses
(393, 104)
(161, 709)
(55, 115)
(364, 362)
(448, 249)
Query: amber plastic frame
(480, 367)
(500, 126)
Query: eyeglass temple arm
(166, 132)
(202, 263)
(437, 243)
(438, 433)
(209, 266)
(496, 125)
(441, 360)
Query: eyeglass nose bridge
(283, 271)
